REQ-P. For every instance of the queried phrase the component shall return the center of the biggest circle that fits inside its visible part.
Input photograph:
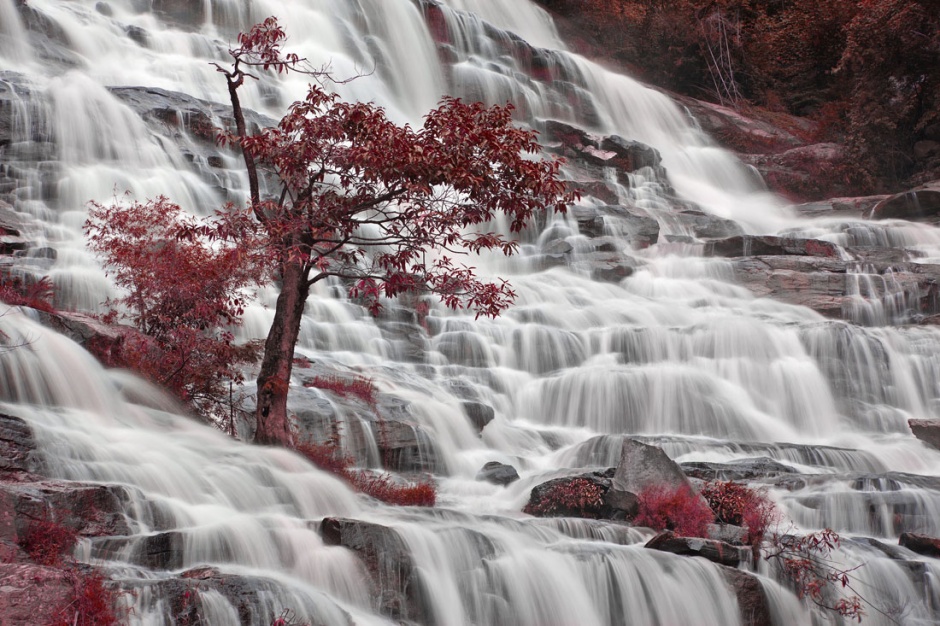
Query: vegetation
(866, 70)
(571, 496)
(680, 510)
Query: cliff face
(862, 76)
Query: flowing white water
(676, 352)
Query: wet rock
(705, 226)
(584, 495)
(162, 551)
(748, 245)
(498, 473)
(927, 431)
(405, 447)
(728, 533)
(715, 551)
(397, 589)
(752, 601)
(630, 155)
(90, 510)
(918, 203)
(29, 593)
(743, 469)
(17, 446)
(921, 544)
(642, 465)
(478, 413)
(182, 11)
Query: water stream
(676, 352)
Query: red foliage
(806, 561)
(92, 603)
(185, 281)
(567, 496)
(679, 510)
(35, 294)
(47, 542)
(734, 503)
(357, 387)
(328, 457)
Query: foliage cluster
(680, 510)
(573, 496)
(91, 601)
(356, 387)
(36, 294)
(865, 69)
(186, 283)
(734, 503)
(329, 457)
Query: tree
(365, 200)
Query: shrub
(679, 510)
(47, 542)
(37, 294)
(567, 496)
(734, 503)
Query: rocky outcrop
(752, 600)
(710, 549)
(749, 245)
(927, 431)
(920, 203)
(397, 588)
(643, 466)
(921, 544)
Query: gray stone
(498, 473)
(927, 431)
(642, 465)
(715, 551)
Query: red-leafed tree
(366, 200)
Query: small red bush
(326, 456)
(35, 294)
(47, 542)
(574, 496)
(357, 387)
(679, 510)
(734, 503)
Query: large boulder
(752, 600)
(918, 203)
(749, 245)
(642, 466)
(571, 496)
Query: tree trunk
(273, 425)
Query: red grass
(92, 603)
(328, 457)
(47, 542)
(37, 295)
(679, 510)
(575, 496)
(357, 387)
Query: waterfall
(98, 98)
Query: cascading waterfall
(675, 353)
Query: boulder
(32, 592)
(17, 446)
(749, 245)
(397, 588)
(162, 551)
(478, 413)
(927, 431)
(572, 496)
(642, 465)
(921, 544)
(752, 600)
(742, 469)
(715, 551)
(498, 473)
(918, 203)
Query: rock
(630, 155)
(918, 203)
(809, 172)
(405, 447)
(29, 593)
(925, 149)
(17, 446)
(397, 588)
(715, 551)
(571, 496)
(927, 431)
(752, 600)
(498, 473)
(182, 11)
(921, 544)
(728, 533)
(742, 469)
(705, 226)
(478, 413)
(749, 245)
(162, 551)
(90, 510)
(642, 465)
